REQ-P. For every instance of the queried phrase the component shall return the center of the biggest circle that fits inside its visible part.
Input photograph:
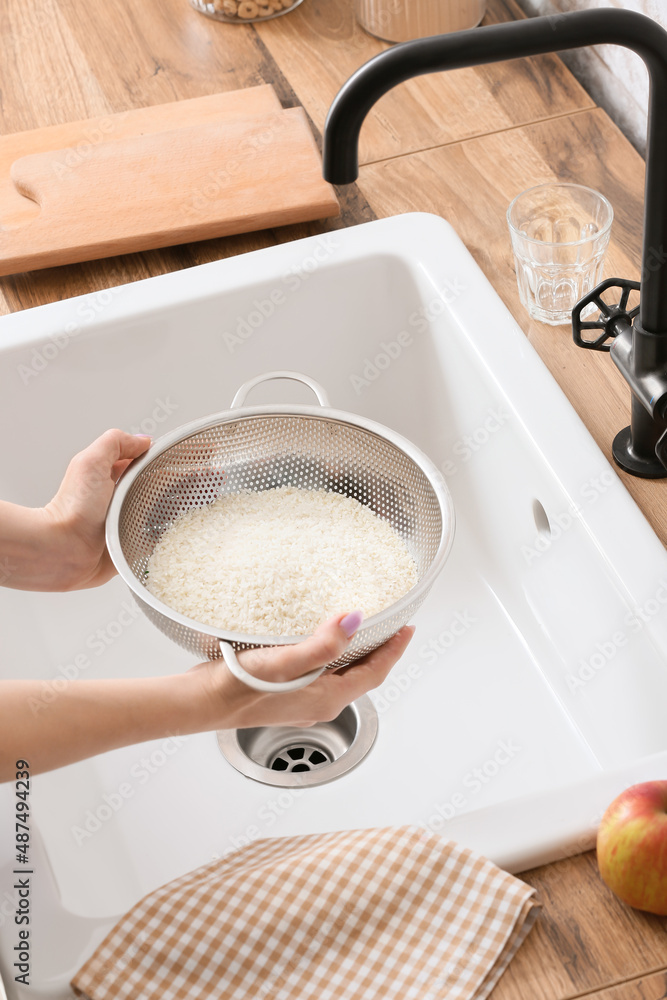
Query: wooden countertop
(460, 144)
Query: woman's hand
(87, 717)
(234, 705)
(61, 546)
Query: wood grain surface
(323, 45)
(462, 183)
(645, 987)
(81, 138)
(459, 144)
(585, 939)
(188, 181)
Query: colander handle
(273, 687)
(239, 398)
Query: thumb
(91, 475)
(284, 663)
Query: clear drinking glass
(560, 234)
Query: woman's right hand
(235, 705)
(87, 717)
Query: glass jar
(244, 11)
(403, 20)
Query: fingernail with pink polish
(350, 623)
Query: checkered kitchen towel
(383, 914)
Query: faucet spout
(529, 37)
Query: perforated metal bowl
(263, 447)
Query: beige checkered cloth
(383, 913)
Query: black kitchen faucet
(636, 338)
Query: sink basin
(536, 684)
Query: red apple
(632, 847)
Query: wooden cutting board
(191, 170)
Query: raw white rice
(279, 562)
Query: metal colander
(263, 447)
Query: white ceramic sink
(536, 685)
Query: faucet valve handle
(612, 319)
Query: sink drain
(289, 756)
(302, 757)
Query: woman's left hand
(61, 546)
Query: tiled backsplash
(615, 77)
